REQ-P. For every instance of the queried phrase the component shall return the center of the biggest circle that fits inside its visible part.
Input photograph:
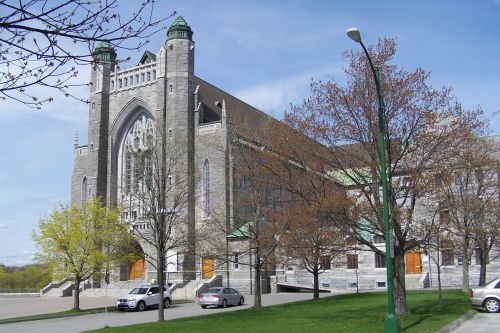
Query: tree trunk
(482, 271)
(257, 296)
(483, 258)
(357, 282)
(399, 282)
(316, 284)
(465, 270)
(440, 292)
(76, 294)
(161, 283)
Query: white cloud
(3, 225)
(17, 258)
(277, 95)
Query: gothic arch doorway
(134, 269)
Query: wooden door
(413, 262)
(136, 269)
(207, 268)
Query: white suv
(144, 297)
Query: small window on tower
(170, 88)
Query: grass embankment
(344, 314)
(67, 313)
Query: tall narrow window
(236, 260)
(326, 262)
(128, 171)
(85, 189)
(379, 261)
(206, 189)
(352, 261)
(137, 174)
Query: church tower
(90, 177)
(175, 74)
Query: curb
(458, 322)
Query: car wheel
(166, 303)
(492, 305)
(140, 306)
(203, 306)
(242, 300)
(224, 303)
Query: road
(96, 321)
(481, 323)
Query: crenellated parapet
(141, 75)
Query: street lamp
(391, 322)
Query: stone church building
(126, 105)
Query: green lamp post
(391, 322)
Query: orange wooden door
(413, 262)
(207, 268)
(136, 269)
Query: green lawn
(344, 314)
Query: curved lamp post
(391, 322)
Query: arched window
(206, 189)
(136, 156)
(85, 190)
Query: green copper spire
(179, 30)
(104, 52)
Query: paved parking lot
(25, 306)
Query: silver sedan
(487, 297)
(221, 297)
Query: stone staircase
(113, 289)
(190, 290)
(417, 281)
(58, 288)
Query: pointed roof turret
(104, 52)
(180, 30)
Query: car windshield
(138, 291)
(212, 291)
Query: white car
(144, 297)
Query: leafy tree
(421, 129)
(25, 277)
(257, 203)
(468, 191)
(313, 204)
(312, 238)
(76, 241)
(43, 42)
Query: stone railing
(133, 77)
(209, 128)
(81, 150)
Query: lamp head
(354, 34)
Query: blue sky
(266, 53)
